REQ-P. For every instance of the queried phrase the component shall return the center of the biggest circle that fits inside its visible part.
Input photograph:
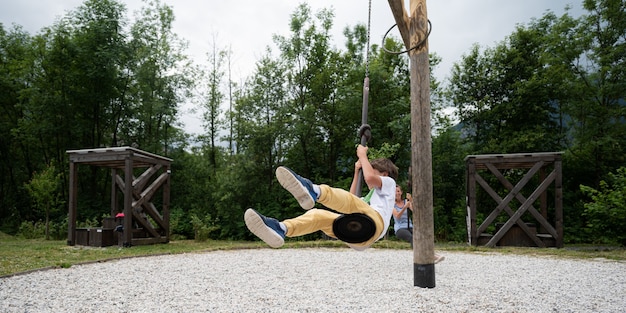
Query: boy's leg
(301, 188)
(266, 228)
(310, 222)
(343, 201)
(337, 199)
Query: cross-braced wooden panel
(143, 222)
(535, 165)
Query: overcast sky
(247, 26)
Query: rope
(365, 129)
(419, 44)
(367, 50)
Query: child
(379, 174)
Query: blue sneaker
(266, 228)
(300, 187)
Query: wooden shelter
(516, 231)
(143, 223)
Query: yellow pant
(318, 219)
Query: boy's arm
(372, 179)
(355, 179)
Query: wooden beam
(128, 200)
(145, 224)
(516, 190)
(144, 178)
(148, 193)
(114, 204)
(543, 221)
(508, 210)
(413, 28)
(522, 209)
(165, 208)
(472, 235)
(148, 241)
(148, 207)
(558, 199)
(402, 20)
(71, 223)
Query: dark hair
(385, 165)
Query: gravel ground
(320, 280)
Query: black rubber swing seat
(354, 228)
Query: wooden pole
(71, 223)
(114, 204)
(128, 200)
(413, 29)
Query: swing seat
(354, 228)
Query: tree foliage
(44, 190)
(606, 212)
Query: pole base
(424, 275)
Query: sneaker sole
(293, 185)
(255, 224)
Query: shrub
(606, 213)
(32, 230)
(203, 227)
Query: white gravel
(320, 280)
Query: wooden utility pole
(414, 31)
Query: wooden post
(71, 219)
(166, 203)
(114, 204)
(128, 200)
(558, 199)
(414, 29)
(470, 179)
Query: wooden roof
(513, 160)
(115, 157)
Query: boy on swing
(379, 175)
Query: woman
(402, 226)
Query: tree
(212, 101)
(94, 65)
(597, 109)
(44, 190)
(162, 78)
(306, 57)
(263, 122)
(73, 78)
(232, 88)
(470, 92)
(501, 96)
(16, 161)
(449, 185)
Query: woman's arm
(398, 214)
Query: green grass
(22, 255)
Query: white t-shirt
(383, 200)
